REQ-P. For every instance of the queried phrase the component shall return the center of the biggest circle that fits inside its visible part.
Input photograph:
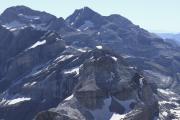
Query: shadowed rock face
(44, 59)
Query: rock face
(85, 18)
(19, 17)
(107, 86)
(45, 59)
(160, 59)
(21, 75)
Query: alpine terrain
(85, 67)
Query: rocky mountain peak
(86, 10)
(22, 10)
(21, 13)
(18, 9)
(85, 18)
(73, 68)
(18, 17)
(102, 70)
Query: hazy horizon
(155, 16)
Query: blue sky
(153, 15)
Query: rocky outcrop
(107, 86)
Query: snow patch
(72, 71)
(117, 116)
(78, 30)
(13, 29)
(37, 72)
(167, 91)
(29, 84)
(70, 97)
(63, 57)
(99, 47)
(13, 24)
(167, 102)
(127, 56)
(132, 67)
(165, 113)
(86, 28)
(141, 81)
(176, 112)
(67, 46)
(29, 17)
(20, 14)
(72, 23)
(18, 100)
(38, 43)
(81, 50)
(114, 58)
(57, 39)
(98, 33)
(13, 101)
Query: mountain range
(170, 37)
(85, 67)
